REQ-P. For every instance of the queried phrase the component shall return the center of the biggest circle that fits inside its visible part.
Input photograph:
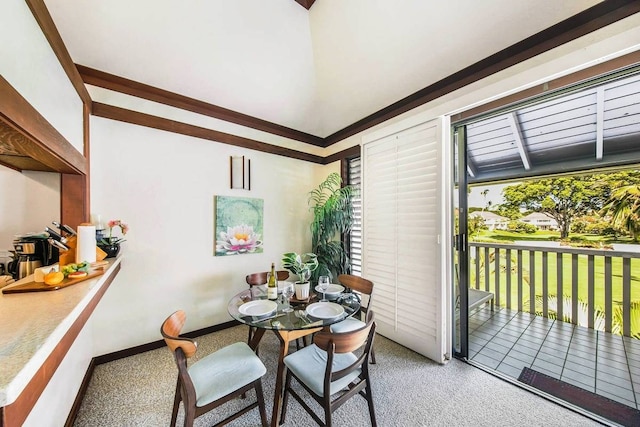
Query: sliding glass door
(461, 247)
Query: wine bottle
(272, 284)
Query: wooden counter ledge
(36, 331)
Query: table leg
(257, 336)
(285, 338)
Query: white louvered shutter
(355, 236)
(401, 222)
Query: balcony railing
(599, 289)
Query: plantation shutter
(401, 223)
(355, 236)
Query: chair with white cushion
(364, 288)
(215, 379)
(330, 368)
(258, 279)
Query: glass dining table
(289, 322)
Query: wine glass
(323, 284)
(287, 293)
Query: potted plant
(111, 244)
(332, 206)
(302, 266)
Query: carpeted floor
(408, 390)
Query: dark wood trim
(121, 354)
(43, 17)
(43, 142)
(141, 90)
(77, 402)
(583, 23)
(306, 3)
(136, 118)
(86, 122)
(75, 206)
(340, 155)
(601, 69)
(132, 352)
(17, 412)
(73, 202)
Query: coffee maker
(31, 251)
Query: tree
(624, 208)
(561, 198)
(566, 198)
(332, 206)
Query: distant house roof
(486, 215)
(537, 216)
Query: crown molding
(592, 19)
(583, 23)
(130, 87)
(134, 117)
(306, 3)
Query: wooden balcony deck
(601, 362)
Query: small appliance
(31, 251)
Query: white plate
(331, 290)
(325, 310)
(258, 307)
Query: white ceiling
(315, 71)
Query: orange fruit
(53, 278)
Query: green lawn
(552, 278)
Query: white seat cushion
(225, 371)
(347, 325)
(309, 366)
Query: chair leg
(285, 397)
(372, 412)
(176, 405)
(373, 356)
(327, 411)
(261, 406)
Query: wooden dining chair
(258, 279)
(364, 288)
(215, 379)
(330, 367)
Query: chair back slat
(344, 342)
(170, 331)
(257, 279)
(356, 283)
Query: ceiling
(317, 70)
(590, 128)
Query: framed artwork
(238, 225)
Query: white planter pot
(302, 290)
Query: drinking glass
(323, 284)
(287, 293)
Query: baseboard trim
(110, 357)
(71, 418)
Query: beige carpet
(408, 390)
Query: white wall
(55, 402)
(29, 202)
(163, 185)
(612, 41)
(370, 54)
(227, 52)
(31, 67)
